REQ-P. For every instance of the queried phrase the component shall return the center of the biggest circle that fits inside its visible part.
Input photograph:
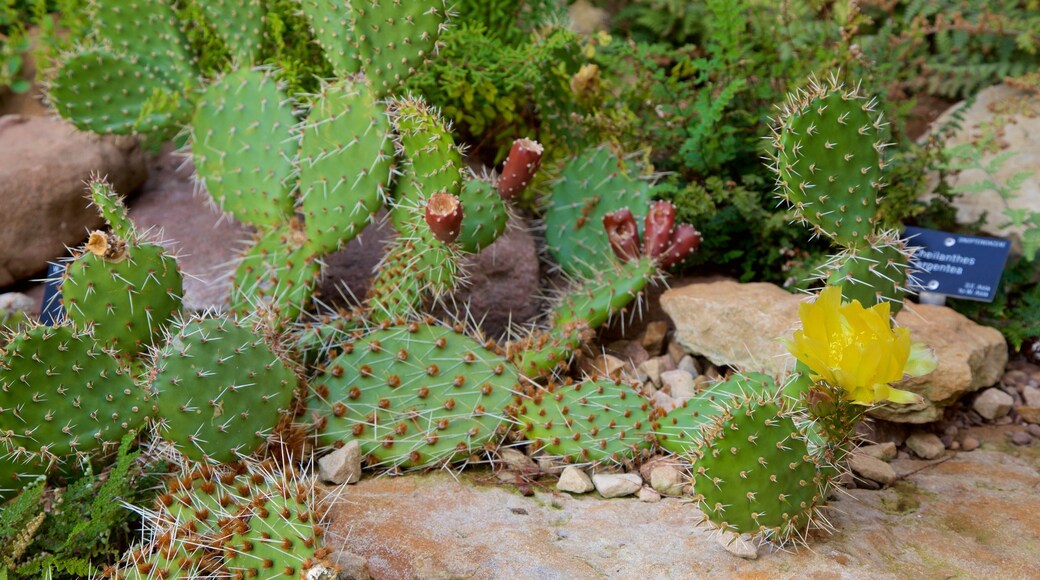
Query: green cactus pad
(485, 215)
(828, 160)
(432, 161)
(589, 187)
(243, 147)
(149, 30)
(239, 23)
(589, 305)
(589, 422)
(395, 38)
(680, 430)
(104, 92)
(63, 397)
(127, 298)
(221, 389)
(277, 274)
(344, 165)
(415, 395)
(753, 471)
(112, 209)
(330, 22)
(399, 286)
(17, 471)
(874, 273)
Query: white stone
(925, 445)
(342, 465)
(574, 480)
(1031, 396)
(667, 479)
(648, 495)
(738, 546)
(993, 404)
(872, 468)
(689, 364)
(680, 384)
(611, 485)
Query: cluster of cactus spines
(243, 147)
(754, 471)
(276, 275)
(590, 187)
(135, 76)
(414, 395)
(124, 288)
(344, 165)
(236, 522)
(330, 22)
(221, 389)
(590, 422)
(18, 470)
(63, 397)
(679, 430)
(395, 38)
(240, 24)
(829, 160)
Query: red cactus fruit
(685, 240)
(444, 216)
(657, 231)
(622, 233)
(523, 162)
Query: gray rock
(1031, 396)
(667, 479)
(342, 465)
(738, 546)
(655, 366)
(689, 364)
(648, 495)
(925, 445)
(350, 565)
(45, 164)
(679, 384)
(737, 324)
(884, 451)
(993, 404)
(1021, 438)
(611, 485)
(653, 337)
(969, 444)
(574, 480)
(517, 461)
(872, 468)
(1033, 430)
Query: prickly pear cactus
(344, 165)
(414, 395)
(63, 397)
(126, 291)
(243, 146)
(485, 215)
(221, 389)
(590, 422)
(829, 161)
(680, 429)
(330, 21)
(754, 472)
(395, 38)
(18, 469)
(874, 273)
(149, 31)
(276, 275)
(590, 187)
(239, 23)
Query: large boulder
(46, 163)
(739, 325)
(1015, 116)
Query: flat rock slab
(739, 325)
(974, 515)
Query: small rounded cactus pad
(243, 146)
(63, 397)
(828, 160)
(874, 273)
(485, 215)
(330, 23)
(754, 472)
(414, 395)
(588, 422)
(127, 292)
(590, 187)
(395, 38)
(344, 164)
(222, 390)
(679, 431)
(277, 275)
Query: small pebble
(738, 546)
(1034, 430)
(970, 444)
(611, 485)
(574, 480)
(925, 445)
(1021, 438)
(992, 404)
(648, 495)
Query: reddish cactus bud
(622, 233)
(523, 162)
(444, 216)
(657, 231)
(685, 240)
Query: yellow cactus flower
(856, 349)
